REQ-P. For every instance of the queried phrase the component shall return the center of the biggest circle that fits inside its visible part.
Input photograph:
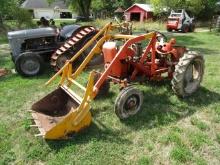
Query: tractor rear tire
(29, 64)
(185, 28)
(128, 102)
(188, 74)
(61, 60)
(192, 28)
(97, 59)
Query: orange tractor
(127, 58)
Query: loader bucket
(61, 113)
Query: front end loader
(128, 58)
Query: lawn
(168, 130)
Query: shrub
(22, 17)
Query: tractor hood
(32, 33)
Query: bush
(22, 17)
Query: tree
(82, 7)
(22, 17)
(10, 9)
(110, 5)
(5, 9)
(209, 8)
(200, 8)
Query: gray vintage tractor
(31, 49)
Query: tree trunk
(84, 8)
(1, 21)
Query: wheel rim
(30, 66)
(192, 76)
(131, 104)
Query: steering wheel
(117, 20)
(160, 36)
(124, 27)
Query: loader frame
(67, 70)
(80, 117)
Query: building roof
(146, 7)
(33, 4)
(119, 10)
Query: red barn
(139, 12)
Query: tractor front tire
(128, 102)
(29, 64)
(188, 74)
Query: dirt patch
(3, 72)
(4, 48)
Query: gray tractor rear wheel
(97, 58)
(61, 60)
(29, 64)
(128, 102)
(188, 74)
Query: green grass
(168, 130)
(218, 137)
(144, 161)
(172, 137)
(198, 140)
(3, 39)
(181, 154)
(200, 124)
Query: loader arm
(104, 30)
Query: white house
(41, 8)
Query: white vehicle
(180, 20)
